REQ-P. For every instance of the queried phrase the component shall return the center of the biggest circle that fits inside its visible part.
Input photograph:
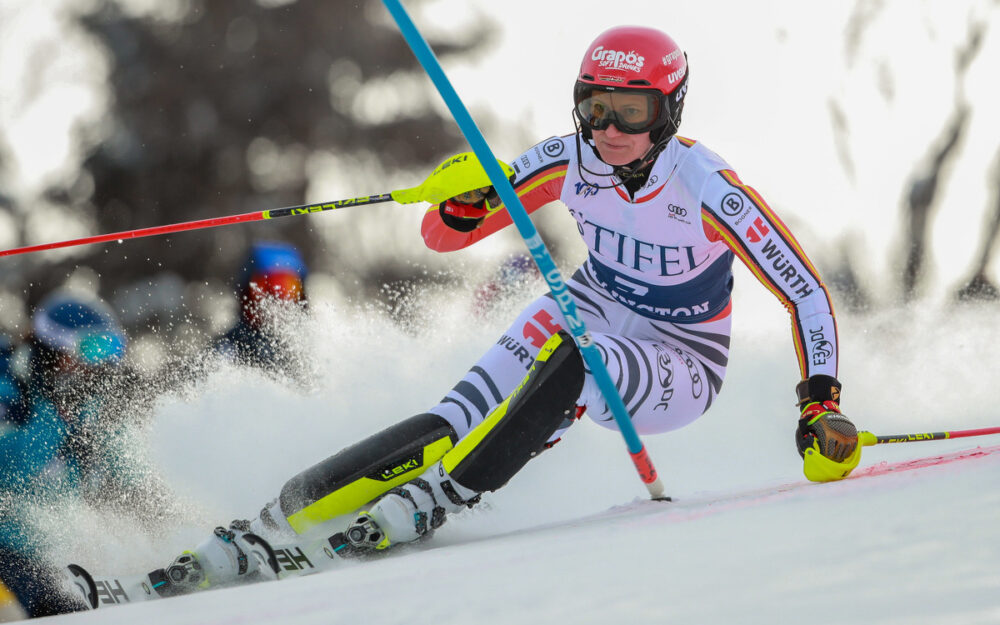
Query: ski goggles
(281, 286)
(632, 111)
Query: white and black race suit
(655, 288)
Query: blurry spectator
(512, 279)
(10, 607)
(272, 280)
(64, 446)
(13, 411)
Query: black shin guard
(517, 429)
(360, 473)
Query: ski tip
(83, 583)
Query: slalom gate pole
(547, 267)
(868, 439)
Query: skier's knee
(518, 429)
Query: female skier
(663, 218)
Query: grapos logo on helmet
(652, 66)
(617, 59)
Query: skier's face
(268, 295)
(618, 148)
(619, 120)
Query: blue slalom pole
(547, 266)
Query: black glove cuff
(493, 198)
(459, 223)
(818, 388)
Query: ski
(109, 590)
(278, 561)
(304, 557)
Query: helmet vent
(586, 76)
(643, 82)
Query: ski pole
(547, 267)
(199, 224)
(868, 439)
(457, 175)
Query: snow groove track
(908, 465)
(684, 508)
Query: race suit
(655, 288)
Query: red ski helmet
(633, 59)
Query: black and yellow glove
(467, 211)
(825, 438)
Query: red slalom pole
(867, 438)
(304, 209)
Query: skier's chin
(617, 153)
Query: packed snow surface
(573, 538)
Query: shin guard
(348, 480)
(517, 430)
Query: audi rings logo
(553, 148)
(732, 204)
(680, 211)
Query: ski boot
(229, 557)
(407, 513)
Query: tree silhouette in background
(920, 204)
(921, 195)
(923, 189)
(980, 286)
(218, 113)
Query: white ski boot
(408, 513)
(230, 556)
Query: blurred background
(869, 126)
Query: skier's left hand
(476, 198)
(825, 438)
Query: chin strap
(631, 170)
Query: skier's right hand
(467, 211)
